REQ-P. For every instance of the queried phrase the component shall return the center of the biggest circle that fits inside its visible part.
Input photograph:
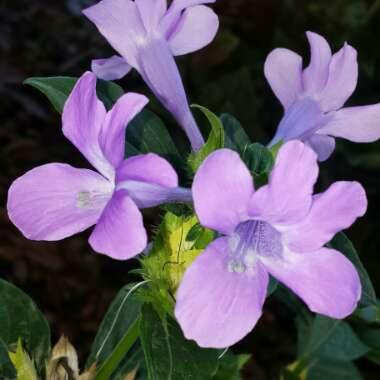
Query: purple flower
(147, 35)
(313, 98)
(54, 201)
(280, 229)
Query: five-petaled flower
(147, 35)
(56, 200)
(279, 229)
(313, 98)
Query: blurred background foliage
(72, 285)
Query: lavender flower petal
(221, 190)
(112, 136)
(82, 120)
(216, 307)
(288, 196)
(112, 68)
(120, 231)
(196, 29)
(358, 124)
(332, 211)
(315, 76)
(54, 201)
(149, 168)
(283, 71)
(323, 145)
(343, 78)
(326, 280)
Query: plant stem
(112, 362)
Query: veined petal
(160, 72)
(323, 145)
(54, 201)
(145, 194)
(119, 21)
(120, 231)
(343, 77)
(112, 68)
(283, 71)
(82, 120)
(332, 211)
(216, 307)
(149, 168)
(112, 137)
(316, 74)
(151, 12)
(325, 279)
(221, 190)
(196, 28)
(358, 124)
(301, 120)
(287, 197)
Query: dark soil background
(72, 285)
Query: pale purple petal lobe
(221, 190)
(119, 21)
(112, 68)
(82, 120)
(54, 201)
(149, 168)
(283, 71)
(151, 12)
(343, 77)
(315, 76)
(196, 29)
(112, 137)
(216, 307)
(332, 211)
(323, 145)
(120, 231)
(358, 124)
(325, 279)
(287, 197)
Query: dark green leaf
(330, 339)
(230, 366)
(122, 313)
(258, 159)
(57, 90)
(194, 233)
(6, 367)
(342, 244)
(20, 318)
(215, 139)
(168, 355)
(147, 133)
(235, 137)
(272, 286)
(333, 370)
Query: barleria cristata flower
(147, 35)
(313, 98)
(279, 229)
(54, 201)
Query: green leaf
(342, 244)
(330, 339)
(235, 137)
(194, 233)
(168, 355)
(215, 139)
(6, 367)
(20, 318)
(230, 366)
(258, 159)
(120, 316)
(57, 90)
(147, 133)
(334, 370)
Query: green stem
(118, 354)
